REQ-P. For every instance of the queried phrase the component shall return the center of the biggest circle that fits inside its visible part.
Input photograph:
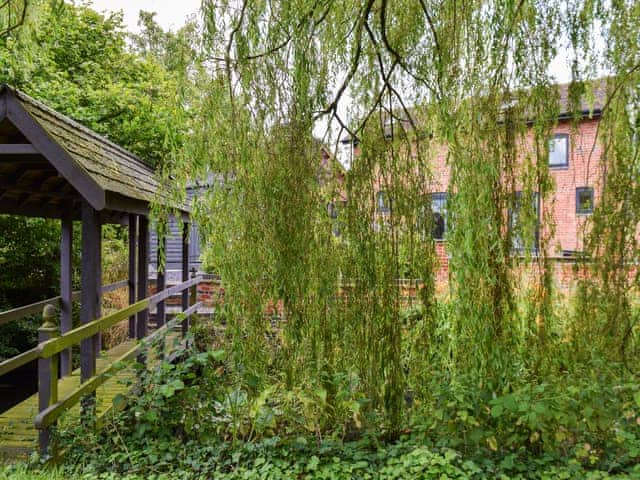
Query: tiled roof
(111, 167)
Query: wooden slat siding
(173, 251)
(66, 288)
(173, 256)
(75, 174)
(133, 243)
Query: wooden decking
(18, 435)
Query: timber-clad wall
(173, 251)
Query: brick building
(574, 166)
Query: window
(584, 200)
(439, 212)
(519, 230)
(335, 211)
(332, 210)
(559, 150)
(432, 217)
(383, 202)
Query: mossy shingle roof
(113, 169)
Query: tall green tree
(78, 61)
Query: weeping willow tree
(412, 81)
(13, 14)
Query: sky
(171, 14)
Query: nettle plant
(409, 80)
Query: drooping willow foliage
(413, 81)
(13, 14)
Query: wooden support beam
(161, 279)
(185, 274)
(66, 287)
(133, 242)
(90, 296)
(143, 274)
(98, 340)
(55, 153)
(18, 149)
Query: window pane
(558, 151)
(518, 235)
(382, 202)
(439, 212)
(584, 200)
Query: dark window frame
(383, 205)
(580, 211)
(564, 136)
(440, 197)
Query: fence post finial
(48, 318)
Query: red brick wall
(583, 170)
(210, 293)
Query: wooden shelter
(53, 167)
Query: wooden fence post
(192, 293)
(47, 374)
(185, 274)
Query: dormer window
(559, 150)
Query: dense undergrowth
(197, 419)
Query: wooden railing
(51, 343)
(36, 308)
(33, 309)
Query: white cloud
(170, 14)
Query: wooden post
(133, 242)
(161, 280)
(90, 298)
(47, 374)
(66, 287)
(143, 274)
(193, 295)
(98, 279)
(185, 274)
